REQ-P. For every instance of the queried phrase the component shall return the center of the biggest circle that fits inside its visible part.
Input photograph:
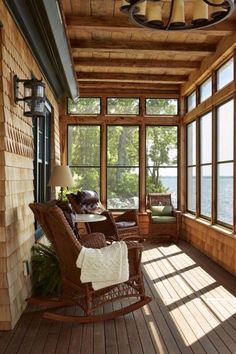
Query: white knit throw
(105, 266)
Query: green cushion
(161, 210)
(163, 219)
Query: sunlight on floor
(193, 299)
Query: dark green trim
(40, 23)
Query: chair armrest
(134, 255)
(93, 240)
(177, 214)
(149, 213)
(129, 215)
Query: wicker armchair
(164, 220)
(75, 293)
(122, 227)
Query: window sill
(221, 229)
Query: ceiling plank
(81, 76)
(101, 85)
(141, 46)
(121, 24)
(142, 63)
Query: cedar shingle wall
(16, 172)
(209, 240)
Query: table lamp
(61, 177)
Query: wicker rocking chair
(74, 292)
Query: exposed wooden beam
(129, 92)
(142, 63)
(101, 85)
(122, 24)
(119, 77)
(149, 46)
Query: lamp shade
(61, 177)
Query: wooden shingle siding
(16, 171)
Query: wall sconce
(33, 98)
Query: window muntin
(161, 106)
(191, 166)
(122, 106)
(122, 167)
(191, 101)
(162, 160)
(85, 106)
(205, 89)
(84, 155)
(225, 74)
(205, 164)
(225, 153)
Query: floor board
(193, 311)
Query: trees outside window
(161, 160)
(84, 155)
(122, 167)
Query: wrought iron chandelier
(173, 15)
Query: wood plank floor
(193, 311)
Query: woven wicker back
(158, 199)
(60, 234)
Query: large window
(225, 74)
(205, 89)
(84, 155)
(85, 106)
(161, 160)
(191, 101)
(191, 167)
(225, 156)
(161, 106)
(205, 164)
(122, 167)
(122, 106)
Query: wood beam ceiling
(148, 78)
(121, 24)
(149, 46)
(139, 63)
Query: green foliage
(89, 105)
(123, 151)
(46, 275)
(159, 106)
(123, 106)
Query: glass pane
(84, 145)
(85, 105)
(206, 89)
(123, 106)
(123, 145)
(191, 200)
(122, 188)
(206, 138)
(206, 191)
(162, 180)
(225, 74)
(225, 193)
(161, 146)
(191, 101)
(225, 131)
(86, 178)
(191, 142)
(161, 106)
